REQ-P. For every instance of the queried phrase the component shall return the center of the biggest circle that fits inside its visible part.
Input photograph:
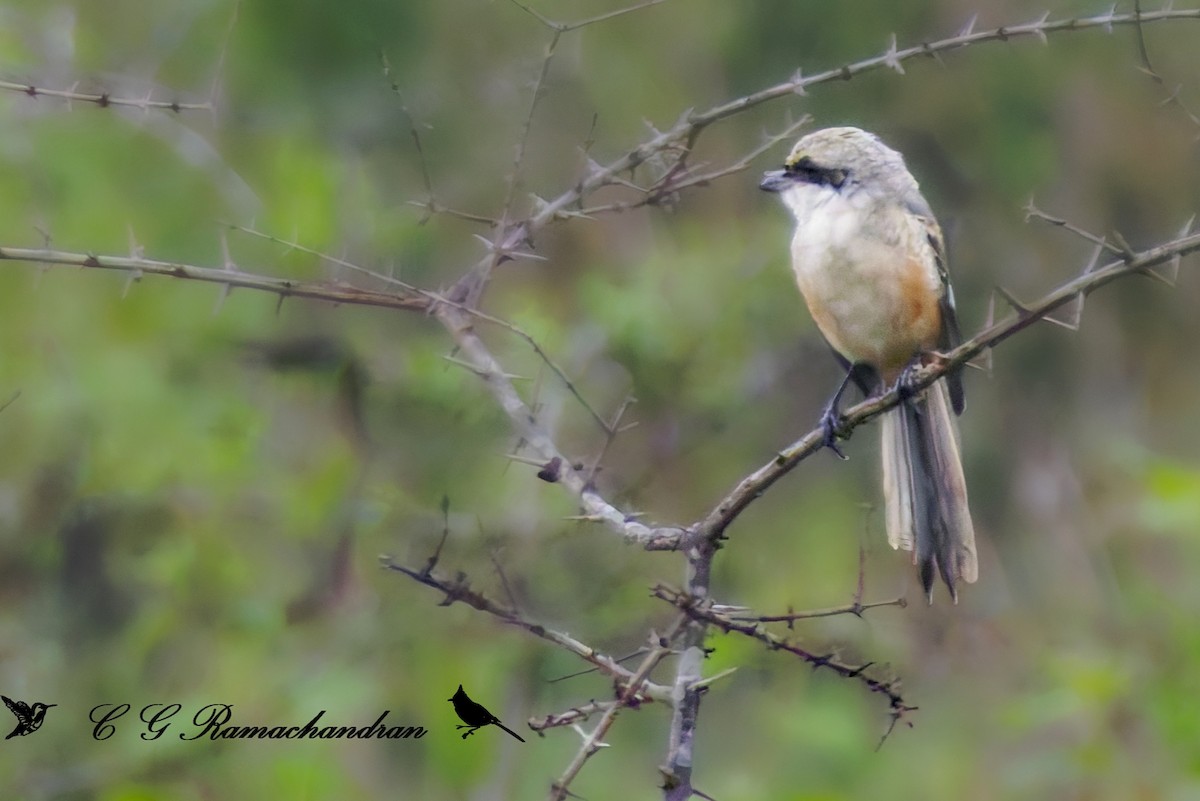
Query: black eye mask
(807, 171)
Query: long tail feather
(925, 495)
(897, 482)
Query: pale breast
(869, 277)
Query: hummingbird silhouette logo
(29, 718)
(475, 716)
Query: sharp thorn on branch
(1020, 308)
(1187, 227)
(1127, 253)
(1072, 322)
(136, 250)
(983, 362)
(797, 82)
(130, 279)
(891, 57)
(222, 295)
(1094, 261)
(515, 457)
(1039, 26)
(1154, 274)
(1173, 268)
(226, 258)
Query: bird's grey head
(845, 160)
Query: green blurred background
(192, 501)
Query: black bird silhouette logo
(29, 718)
(475, 716)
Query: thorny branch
(104, 99)
(571, 717)
(563, 27)
(703, 611)
(594, 741)
(857, 608)
(283, 288)
(145, 104)
(1172, 98)
(459, 589)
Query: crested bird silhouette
(475, 716)
(29, 719)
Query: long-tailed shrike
(869, 259)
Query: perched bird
(29, 719)
(475, 715)
(869, 260)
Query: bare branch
(283, 287)
(104, 99)
(508, 592)
(855, 609)
(570, 26)
(470, 287)
(219, 72)
(564, 27)
(147, 103)
(408, 297)
(1172, 98)
(572, 716)
(654, 195)
(1032, 212)
(338, 261)
(702, 610)
(523, 143)
(574, 479)
(558, 371)
(594, 741)
(689, 684)
(612, 428)
(460, 590)
(430, 204)
(577, 674)
(412, 124)
(496, 321)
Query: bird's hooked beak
(775, 181)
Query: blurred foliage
(193, 493)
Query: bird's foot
(831, 423)
(906, 382)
